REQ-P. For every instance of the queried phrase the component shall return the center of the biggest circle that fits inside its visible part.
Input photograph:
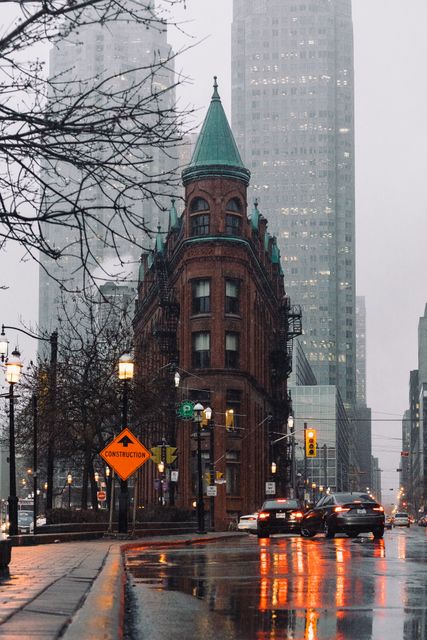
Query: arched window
(199, 204)
(234, 205)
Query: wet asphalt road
(285, 587)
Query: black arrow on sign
(125, 441)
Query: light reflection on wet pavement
(290, 587)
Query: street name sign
(125, 454)
(186, 410)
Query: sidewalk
(72, 590)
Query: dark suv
(279, 515)
(350, 513)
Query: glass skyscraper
(122, 52)
(293, 118)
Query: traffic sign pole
(124, 494)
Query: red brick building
(212, 306)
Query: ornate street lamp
(126, 370)
(198, 410)
(13, 372)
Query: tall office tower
(360, 351)
(122, 52)
(293, 118)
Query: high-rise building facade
(121, 54)
(293, 117)
(360, 351)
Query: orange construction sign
(125, 454)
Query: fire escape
(290, 326)
(165, 332)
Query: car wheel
(306, 533)
(327, 530)
(408, 525)
(353, 534)
(263, 535)
(378, 532)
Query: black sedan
(350, 513)
(279, 515)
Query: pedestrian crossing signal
(310, 443)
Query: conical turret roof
(216, 153)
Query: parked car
(25, 521)
(350, 513)
(401, 519)
(388, 522)
(279, 515)
(422, 522)
(248, 523)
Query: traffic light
(171, 454)
(156, 454)
(229, 419)
(310, 443)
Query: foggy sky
(391, 192)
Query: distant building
(321, 407)
(293, 117)
(102, 50)
(376, 488)
(212, 305)
(302, 373)
(414, 434)
(360, 351)
(405, 467)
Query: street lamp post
(211, 424)
(69, 482)
(13, 371)
(126, 368)
(198, 410)
(53, 341)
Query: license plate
(361, 510)
(280, 515)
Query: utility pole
(305, 460)
(325, 464)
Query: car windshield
(24, 516)
(281, 504)
(345, 498)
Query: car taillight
(263, 515)
(298, 514)
(341, 509)
(378, 509)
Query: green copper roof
(275, 253)
(255, 216)
(173, 216)
(216, 153)
(159, 241)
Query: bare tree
(87, 394)
(63, 136)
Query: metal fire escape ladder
(166, 329)
(290, 326)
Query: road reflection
(290, 587)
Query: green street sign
(186, 410)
